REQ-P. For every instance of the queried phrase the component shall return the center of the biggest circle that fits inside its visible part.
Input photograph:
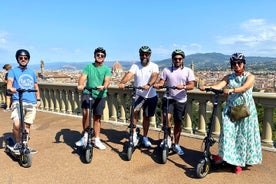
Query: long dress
(240, 142)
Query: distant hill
(201, 61)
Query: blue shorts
(176, 108)
(98, 104)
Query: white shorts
(29, 112)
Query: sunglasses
(177, 59)
(23, 58)
(144, 54)
(100, 55)
(234, 63)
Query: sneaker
(178, 150)
(169, 142)
(135, 139)
(81, 142)
(16, 148)
(217, 159)
(99, 144)
(238, 169)
(7, 110)
(146, 142)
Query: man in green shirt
(96, 75)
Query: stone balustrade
(65, 98)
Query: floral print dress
(239, 142)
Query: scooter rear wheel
(25, 160)
(129, 152)
(88, 155)
(203, 168)
(165, 152)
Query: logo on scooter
(26, 81)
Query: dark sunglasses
(234, 63)
(23, 57)
(177, 59)
(100, 55)
(144, 54)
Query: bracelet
(148, 84)
(38, 100)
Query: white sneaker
(178, 149)
(82, 142)
(146, 142)
(16, 148)
(135, 139)
(99, 144)
(169, 142)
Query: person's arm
(161, 82)
(221, 84)
(105, 84)
(81, 81)
(125, 79)
(249, 83)
(37, 94)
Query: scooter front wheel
(25, 160)
(88, 155)
(203, 168)
(165, 152)
(129, 152)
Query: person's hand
(202, 88)
(100, 88)
(156, 86)
(146, 87)
(80, 87)
(122, 86)
(228, 91)
(38, 103)
(11, 90)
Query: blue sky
(62, 30)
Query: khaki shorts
(29, 112)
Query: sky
(62, 30)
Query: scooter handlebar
(216, 91)
(167, 87)
(133, 87)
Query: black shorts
(98, 104)
(176, 108)
(149, 105)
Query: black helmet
(100, 49)
(237, 56)
(178, 52)
(145, 49)
(22, 52)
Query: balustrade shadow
(3, 141)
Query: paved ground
(58, 161)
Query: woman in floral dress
(239, 142)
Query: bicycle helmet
(237, 56)
(178, 52)
(100, 49)
(145, 49)
(22, 52)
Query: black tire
(129, 152)
(165, 152)
(25, 160)
(88, 155)
(203, 168)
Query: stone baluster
(57, 100)
(123, 107)
(202, 114)
(62, 101)
(189, 113)
(268, 120)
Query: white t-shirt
(142, 76)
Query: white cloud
(256, 37)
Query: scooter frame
(24, 156)
(130, 146)
(205, 164)
(165, 128)
(88, 148)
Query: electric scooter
(204, 165)
(131, 146)
(165, 147)
(88, 148)
(24, 155)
